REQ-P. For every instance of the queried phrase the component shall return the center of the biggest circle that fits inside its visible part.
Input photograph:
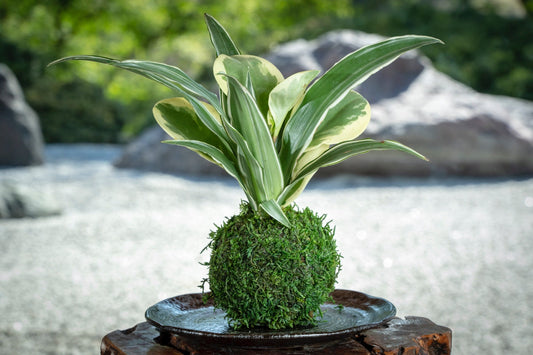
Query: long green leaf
(168, 75)
(177, 117)
(249, 122)
(219, 158)
(286, 95)
(343, 151)
(309, 155)
(260, 73)
(209, 118)
(334, 85)
(293, 190)
(344, 121)
(214, 153)
(293, 139)
(359, 65)
(274, 210)
(220, 38)
(249, 168)
(251, 172)
(172, 77)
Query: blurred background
(85, 248)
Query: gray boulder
(462, 132)
(21, 141)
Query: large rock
(21, 141)
(461, 131)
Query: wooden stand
(410, 336)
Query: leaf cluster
(264, 274)
(269, 132)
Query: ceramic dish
(189, 317)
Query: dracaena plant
(269, 132)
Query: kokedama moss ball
(264, 274)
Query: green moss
(264, 274)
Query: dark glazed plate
(189, 317)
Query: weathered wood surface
(410, 336)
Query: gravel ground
(456, 251)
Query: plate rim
(247, 338)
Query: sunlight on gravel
(455, 251)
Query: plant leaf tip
(435, 40)
(439, 41)
(56, 62)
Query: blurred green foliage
(90, 103)
(76, 111)
(487, 51)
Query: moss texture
(264, 274)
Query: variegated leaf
(246, 118)
(343, 151)
(286, 95)
(344, 121)
(220, 38)
(179, 120)
(264, 76)
(333, 86)
(293, 190)
(172, 77)
(274, 210)
(211, 151)
(168, 75)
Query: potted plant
(272, 265)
